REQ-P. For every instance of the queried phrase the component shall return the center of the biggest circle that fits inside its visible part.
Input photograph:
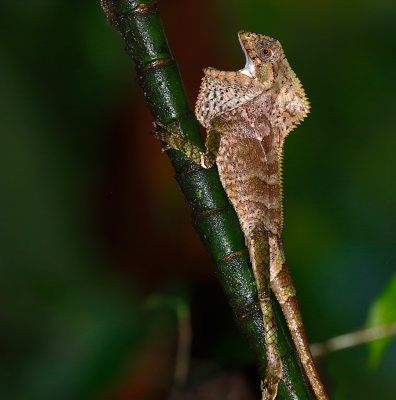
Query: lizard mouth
(249, 66)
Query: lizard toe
(269, 388)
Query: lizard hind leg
(283, 288)
(259, 251)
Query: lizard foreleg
(174, 139)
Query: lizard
(247, 115)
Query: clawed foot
(167, 135)
(269, 387)
(174, 139)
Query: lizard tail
(283, 288)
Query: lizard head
(263, 55)
(266, 63)
(267, 71)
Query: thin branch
(352, 339)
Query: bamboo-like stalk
(214, 218)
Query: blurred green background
(97, 251)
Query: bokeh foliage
(72, 321)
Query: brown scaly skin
(247, 115)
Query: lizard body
(247, 115)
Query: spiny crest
(281, 189)
(291, 105)
(222, 91)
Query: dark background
(98, 255)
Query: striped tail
(283, 288)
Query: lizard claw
(158, 131)
(159, 125)
(269, 388)
(166, 134)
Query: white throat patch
(249, 66)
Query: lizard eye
(265, 53)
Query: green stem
(214, 218)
